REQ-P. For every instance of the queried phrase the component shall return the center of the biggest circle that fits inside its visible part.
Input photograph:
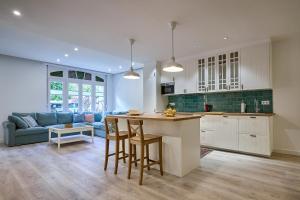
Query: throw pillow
(30, 121)
(97, 117)
(89, 118)
(78, 118)
(20, 123)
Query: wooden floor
(39, 171)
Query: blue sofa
(14, 135)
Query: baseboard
(285, 151)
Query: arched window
(74, 90)
(57, 74)
(99, 79)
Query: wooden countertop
(159, 116)
(234, 114)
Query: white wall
(23, 87)
(109, 93)
(127, 94)
(153, 100)
(286, 94)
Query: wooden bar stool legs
(113, 133)
(137, 137)
(117, 156)
(106, 153)
(160, 156)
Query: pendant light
(131, 74)
(173, 66)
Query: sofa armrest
(9, 133)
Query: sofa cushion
(20, 123)
(31, 131)
(97, 117)
(89, 118)
(78, 118)
(33, 115)
(64, 118)
(99, 125)
(46, 119)
(30, 121)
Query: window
(57, 74)
(99, 79)
(72, 90)
(86, 98)
(234, 70)
(56, 96)
(79, 75)
(222, 72)
(99, 98)
(201, 70)
(73, 97)
(211, 68)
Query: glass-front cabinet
(220, 72)
(201, 75)
(234, 70)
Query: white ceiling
(100, 29)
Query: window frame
(65, 81)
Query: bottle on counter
(243, 107)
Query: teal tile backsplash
(223, 101)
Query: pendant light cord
(131, 44)
(131, 58)
(173, 25)
(172, 42)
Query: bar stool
(113, 133)
(136, 136)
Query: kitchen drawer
(253, 125)
(252, 143)
(207, 138)
(210, 123)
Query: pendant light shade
(173, 66)
(131, 74)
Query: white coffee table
(60, 131)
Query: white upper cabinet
(255, 67)
(191, 75)
(186, 81)
(248, 68)
(166, 77)
(211, 74)
(219, 73)
(202, 75)
(234, 71)
(222, 72)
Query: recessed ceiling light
(66, 55)
(109, 69)
(133, 63)
(120, 66)
(76, 49)
(57, 60)
(225, 38)
(16, 12)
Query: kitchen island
(181, 139)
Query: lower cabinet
(250, 134)
(252, 143)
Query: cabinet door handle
(225, 116)
(253, 117)
(203, 131)
(252, 135)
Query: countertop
(160, 116)
(232, 114)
